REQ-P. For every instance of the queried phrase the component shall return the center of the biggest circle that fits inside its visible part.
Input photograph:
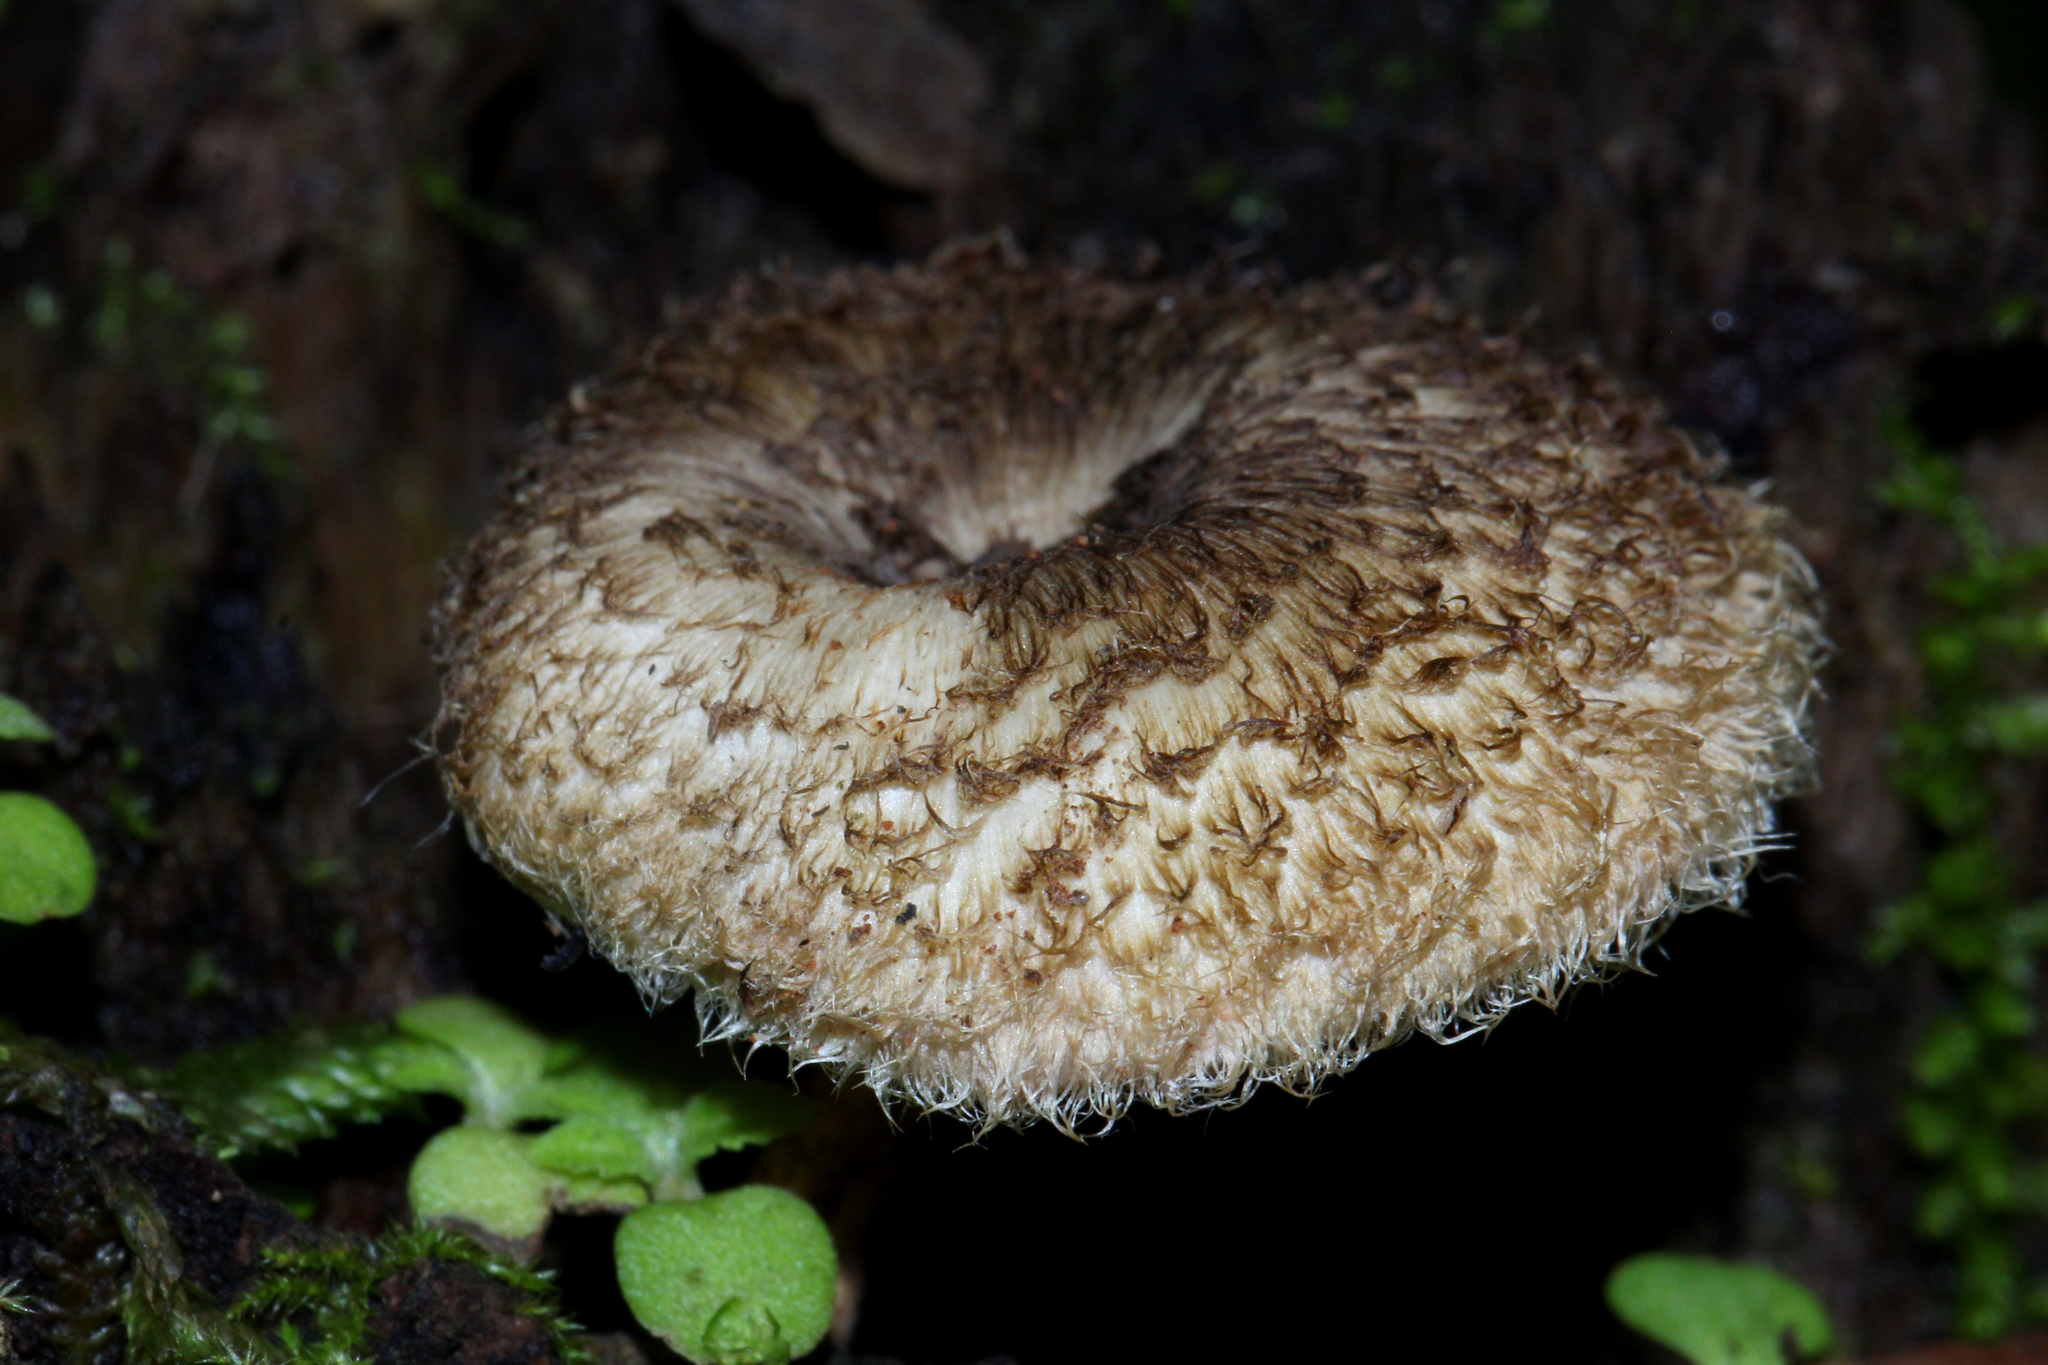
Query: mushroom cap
(1034, 692)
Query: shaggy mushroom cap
(1034, 692)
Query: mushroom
(1034, 692)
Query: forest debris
(893, 89)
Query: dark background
(428, 217)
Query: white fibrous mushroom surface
(1033, 692)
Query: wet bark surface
(283, 280)
(103, 1186)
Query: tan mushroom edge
(1031, 693)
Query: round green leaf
(1716, 1312)
(18, 722)
(46, 867)
(481, 1178)
(739, 1278)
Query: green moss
(2013, 317)
(438, 186)
(148, 317)
(316, 1301)
(133, 811)
(1978, 1104)
(1518, 16)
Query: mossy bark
(129, 1241)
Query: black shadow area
(1473, 1195)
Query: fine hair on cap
(1032, 692)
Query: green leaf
(1968, 873)
(423, 1068)
(280, 1091)
(1984, 1166)
(1933, 1128)
(592, 1088)
(419, 1067)
(444, 192)
(736, 1114)
(1987, 1292)
(605, 1149)
(2023, 630)
(2026, 931)
(1943, 1208)
(1924, 481)
(739, 1278)
(1951, 1047)
(501, 1058)
(630, 1063)
(2011, 318)
(2018, 727)
(589, 1194)
(18, 722)
(661, 1145)
(482, 1178)
(637, 1102)
(1716, 1312)
(46, 866)
(1951, 650)
(2030, 1186)
(2029, 1080)
(2002, 1011)
(1898, 926)
(1518, 16)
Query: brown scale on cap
(1033, 692)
